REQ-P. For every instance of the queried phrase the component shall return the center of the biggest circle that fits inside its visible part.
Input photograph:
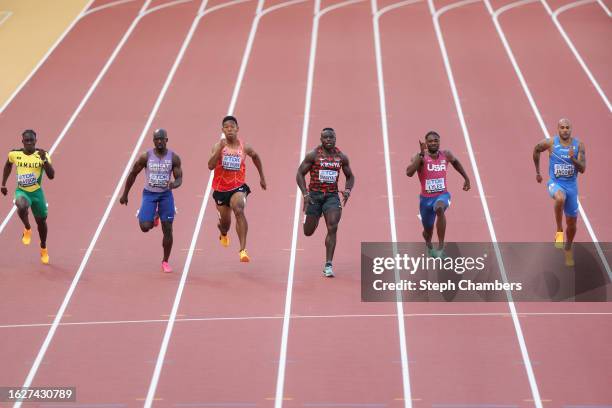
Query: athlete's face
(230, 130)
(29, 142)
(328, 139)
(433, 143)
(564, 128)
(160, 142)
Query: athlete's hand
(222, 143)
(42, 154)
(466, 185)
(3, 190)
(123, 200)
(306, 202)
(422, 146)
(345, 196)
(262, 183)
(571, 152)
(538, 178)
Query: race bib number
(159, 180)
(231, 162)
(328, 176)
(26, 180)
(434, 185)
(564, 170)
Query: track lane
(109, 289)
(268, 108)
(323, 354)
(417, 102)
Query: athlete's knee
(332, 227)
(146, 226)
(440, 210)
(41, 220)
(166, 227)
(559, 198)
(22, 204)
(570, 221)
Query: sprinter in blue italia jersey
(567, 158)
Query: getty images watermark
(473, 272)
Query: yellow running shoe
(244, 257)
(224, 239)
(569, 258)
(44, 256)
(26, 238)
(559, 239)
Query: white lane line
(44, 58)
(260, 12)
(604, 7)
(515, 320)
(77, 277)
(318, 13)
(389, 179)
(166, 5)
(537, 114)
(105, 6)
(341, 316)
(4, 15)
(570, 44)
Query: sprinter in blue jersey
(567, 158)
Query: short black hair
(28, 132)
(432, 133)
(160, 132)
(229, 117)
(328, 129)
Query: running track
(274, 333)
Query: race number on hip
(328, 176)
(434, 185)
(230, 162)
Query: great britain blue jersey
(561, 168)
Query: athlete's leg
(237, 204)
(147, 211)
(225, 218)
(23, 205)
(559, 198)
(41, 223)
(310, 224)
(441, 204)
(570, 231)
(332, 218)
(427, 219)
(168, 239)
(440, 223)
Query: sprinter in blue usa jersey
(567, 158)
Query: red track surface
(228, 353)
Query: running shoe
(559, 239)
(224, 239)
(44, 256)
(166, 267)
(569, 258)
(328, 272)
(26, 238)
(244, 257)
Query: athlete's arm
(304, 168)
(257, 162)
(542, 146)
(414, 165)
(5, 175)
(457, 165)
(580, 163)
(131, 178)
(350, 178)
(177, 172)
(49, 170)
(216, 154)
